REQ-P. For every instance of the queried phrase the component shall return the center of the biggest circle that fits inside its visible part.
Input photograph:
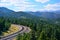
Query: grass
(12, 29)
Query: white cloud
(51, 7)
(42, 1)
(23, 5)
(20, 5)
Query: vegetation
(13, 28)
(42, 29)
(4, 25)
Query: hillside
(10, 13)
(50, 15)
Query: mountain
(50, 15)
(58, 11)
(5, 10)
(22, 15)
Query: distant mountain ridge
(10, 13)
(54, 14)
(5, 10)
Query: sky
(31, 5)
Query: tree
(43, 36)
(4, 25)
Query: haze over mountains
(10, 13)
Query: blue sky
(31, 5)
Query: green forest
(4, 25)
(41, 28)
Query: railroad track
(9, 37)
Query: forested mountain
(5, 10)
(42, 27)
(9, 13)
(54, 14)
